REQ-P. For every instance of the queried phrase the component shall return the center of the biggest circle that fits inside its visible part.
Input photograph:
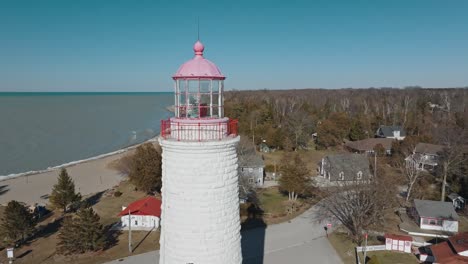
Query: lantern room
(199, 88)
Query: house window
(251, 180)
(359, 175)
(341, 176)
(432, 221)
(136, 222)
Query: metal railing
(198, 131)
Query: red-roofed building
(144, 214)
(452, 251)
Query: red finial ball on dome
(198, 48)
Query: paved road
(299, 241)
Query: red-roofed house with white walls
(144, 214)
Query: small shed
(457, 201)
(263, 147)
(398, 243)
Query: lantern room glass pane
(205, 86)
(214, 112)
(181, 85)
(205, 99)
(182, 99)
(215, 98)
(193, 86)
(215, 86)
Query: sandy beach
(90, 177)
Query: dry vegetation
(43, 248)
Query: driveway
(302, 240)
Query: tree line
(286, 119)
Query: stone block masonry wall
(200, 204)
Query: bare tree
(452, 156)
(413, 171)
(358, 205)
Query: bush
(117, 194)
(269, 168)
(374, 260)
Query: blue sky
(138, 45)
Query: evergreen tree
(145, 171)
(294, 177)
(63, 193)
(357, 131)
(68, 236)
(81, 233)
(17, 222)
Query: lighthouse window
(215, 86)
(214, 112)
(182, 99)
(215, 98)
(193, 86)
(204, 86)
(181, 86)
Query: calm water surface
(39, 130)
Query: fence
(198, 131)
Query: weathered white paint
(200, 203)
(140, 221)
(397, 245)
(447, 225)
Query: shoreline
(75, 162)
(91, 175)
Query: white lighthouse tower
(200, 203)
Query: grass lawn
(392, 257)
(310, 157)
(43, 248)
(346, 250)
(272, 201)
(462, 223)
(274, 205)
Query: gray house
(395, 132)
(345, 167)
(251, 169)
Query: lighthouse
(200, 221)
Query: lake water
(41, 130)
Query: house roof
(443, 253)
(459, 242)
(145, 206)
(435, 209)
(370, 143)
(348, 163)
(428, 148)
(454, 196)
(251, 161)
(387, 131)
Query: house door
(401, 245)
(395, 244)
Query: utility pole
(129, 232)
(365, 248)
(375, 164)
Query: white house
(144, 214)
(425, 156)
(395, 132)
(436, 215)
